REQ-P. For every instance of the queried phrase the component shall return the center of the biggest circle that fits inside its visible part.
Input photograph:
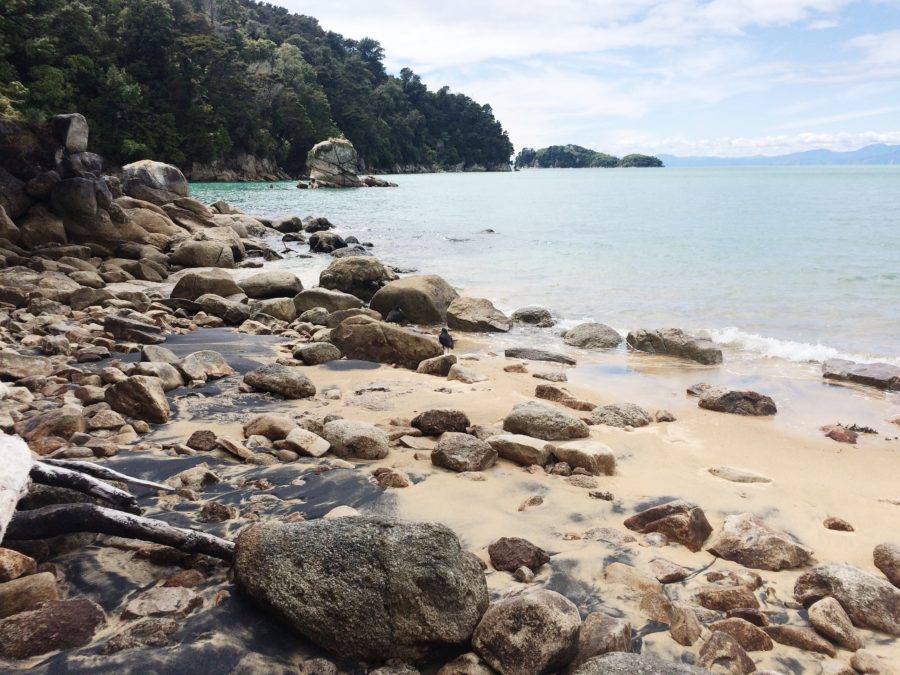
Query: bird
(396, 316)
(446, 340)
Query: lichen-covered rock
(621, 415)
(282, 380)
(750, 637)
(205, 365)
(675, 342)
(424, 299)
(461, 452)
(544, 421)
(535, 632)
(365, 589)
(681, 521)
(352, 439)
(746, 539)
(477, 315)
(361, 337)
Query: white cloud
(745, 147)
(879, 48)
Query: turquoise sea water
(797, 263)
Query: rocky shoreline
(365, 500)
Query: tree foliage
(577, 157)
(197, 80)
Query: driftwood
(98, 471)
(52, 521)
(57, 476)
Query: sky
(683, 77)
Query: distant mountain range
(871, 155)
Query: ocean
(799, 264)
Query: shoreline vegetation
(207, 461)
(577, 157)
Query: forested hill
(186, 81)
(577, 157)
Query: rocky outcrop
(365, 589)
(333, 164)
(237, 169)
(675, 342)
(879, 375)
(746, 539)
(424, 299)
(476, 315)
(361, 337)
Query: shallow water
(796, 263)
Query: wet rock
(351, 439)
(530, 354)
(58, 624)
(195, 284)
(746, 539)
(145, 633)
(887, 559)
(594, 457)
(592, 335)
(869, 601)
(15, 366)
(534, 316)
(274, 427)
(306, 443)
(461, 452)
(271, 284)
(327, 242)
(330, 300)
(361, 337)
(163, 601)
(476, 315)
(681, 521)
(621, 415)
(724, 653)
(436, 421)
(14, 565)
(359, 276)
(675, 342)
(725, 598)
(879, 375)
(140, 397)
(315, 353)
(509, 553)
(439, 365)
(620, 663)
(830, 620)
(282, 380)
(738, 402)
(27, 593)
(521, 449)
(364, 588)
(801, 638)
(601, 634)
(544, 421)
(536, 632)
(424, 299)
(750, 637)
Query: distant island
(577, 157)
(871, 155)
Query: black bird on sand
(395, 316)
(446, 340)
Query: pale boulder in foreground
(365, 588)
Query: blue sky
(720, 77)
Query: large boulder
(737, 402)
(359, 276)
(680, 520)
(203, 254)
(194, 284)
(675, 342)
(13, 197)
(533, 315)
(365, 589)
(461, 452)
(879, 375)
(141, 397)
(532, 633)
(333, 163)
(476, 315)
(361, 337)
(83, 205)
(424, 299)
(349, 438)
(272, 284)
(544, 421)
(746, 539)
(154, 181)
(870, 602)
(330, 301)
(592, 335)
(71, 131)
(282, 380)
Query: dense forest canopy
(576, 157)
(197, 80)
